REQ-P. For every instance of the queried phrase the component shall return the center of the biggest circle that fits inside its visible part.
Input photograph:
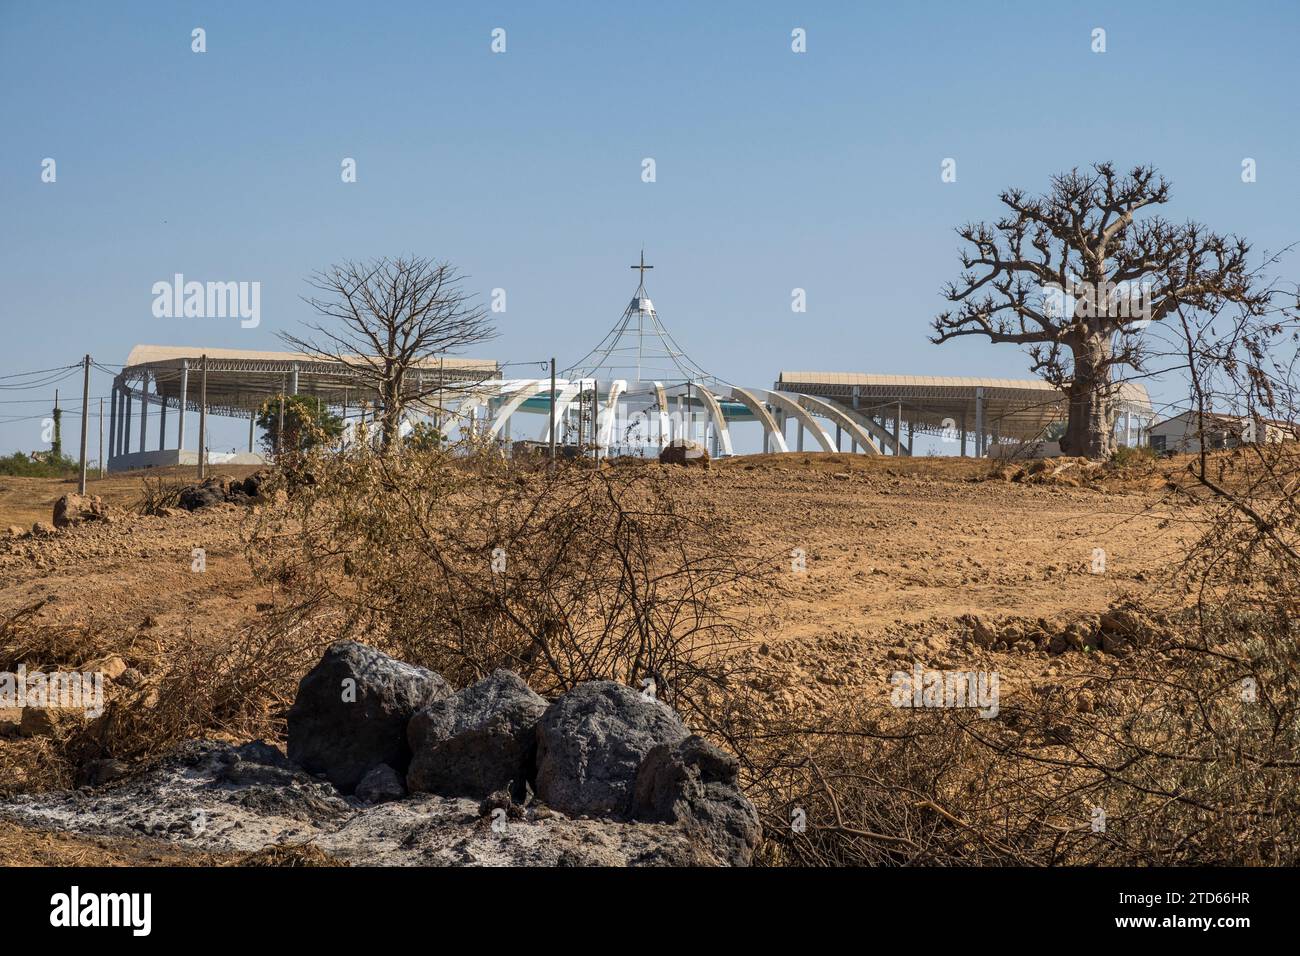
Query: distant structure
(169, 379)
(1190, 432)
(635, 392)
(638, 389)
(982, 415)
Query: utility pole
(56, 446)
(552, 433)
(85, 421)
(203, 419)
(101, 438)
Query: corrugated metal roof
(150, 354)
(1133, 392)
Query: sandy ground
(897, 555)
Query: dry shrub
(1166, 743)
(562, 574)
(157, 495)
(286, 854)
(236, 687)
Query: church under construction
(636, 391)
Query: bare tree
(1075, 277)
(390, 316)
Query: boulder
(73, 509)
(590, 744)
(478, 741)
(351, 712)
(43, 529)
(381, 784)
(684, 451)
(203, 495)
(693, 783)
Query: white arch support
(865, 421)
(662, 398)
(755, 405)
(789, 404)
(562, 402)
(719, 421)
(607, 415)
(523, 393)
(843, 419)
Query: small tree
(1075, 277)
(308, 424)
(388, 317)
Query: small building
(1189, 432)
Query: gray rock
(591, 742)
(684, 451)
(194, 497)
(381, 784)
(478, 741)
(693, 783)
(352, 710)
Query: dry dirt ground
(898, 555)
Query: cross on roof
(643, 267)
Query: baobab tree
(1075, 277)
(388, 317)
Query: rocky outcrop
(74, 509)
(352, 710)
(478, 741)
(591, 742)
(694, 783)
(386, 765)
(684, 451)
(221, 490)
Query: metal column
(185, 395)
(979, 422)
(144, 409)
(112, 419)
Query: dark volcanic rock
(693, 783)
(380, 784)
(352, 710)
(194, 497)
(478, 741)
(590, 744)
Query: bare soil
(899, 556)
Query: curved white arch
(840, 417)
(523, 393)
(563, 400)
(789, 403)
(865, 421)
(662, 397)
(755, 405)
(719, 421)
(607, 413)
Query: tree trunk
(1088, 430)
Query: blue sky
(775, 170)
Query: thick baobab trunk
(1088, 429)
(390, 422)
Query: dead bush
(561, 574)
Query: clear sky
(774, 170)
